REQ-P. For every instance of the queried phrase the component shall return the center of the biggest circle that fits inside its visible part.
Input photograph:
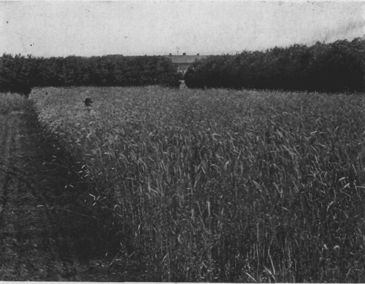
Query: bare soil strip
(42, 234)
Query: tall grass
(221, 185)
(12, 102)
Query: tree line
(21, 73)
(334, 67)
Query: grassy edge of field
(99, 238)
(65, 196)
(60, 157)
(63, 158)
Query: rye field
(219, 185)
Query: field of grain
(220, 185)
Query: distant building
(184, 61)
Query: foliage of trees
(335, 67)
(19, 74)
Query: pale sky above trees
(60, 28)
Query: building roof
(186, 59)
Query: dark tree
(19, 74)
(335, 67)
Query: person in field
(88, 102)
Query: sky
(87, 28)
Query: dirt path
(43, 234)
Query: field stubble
(220, 185)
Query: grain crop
(220, 185)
